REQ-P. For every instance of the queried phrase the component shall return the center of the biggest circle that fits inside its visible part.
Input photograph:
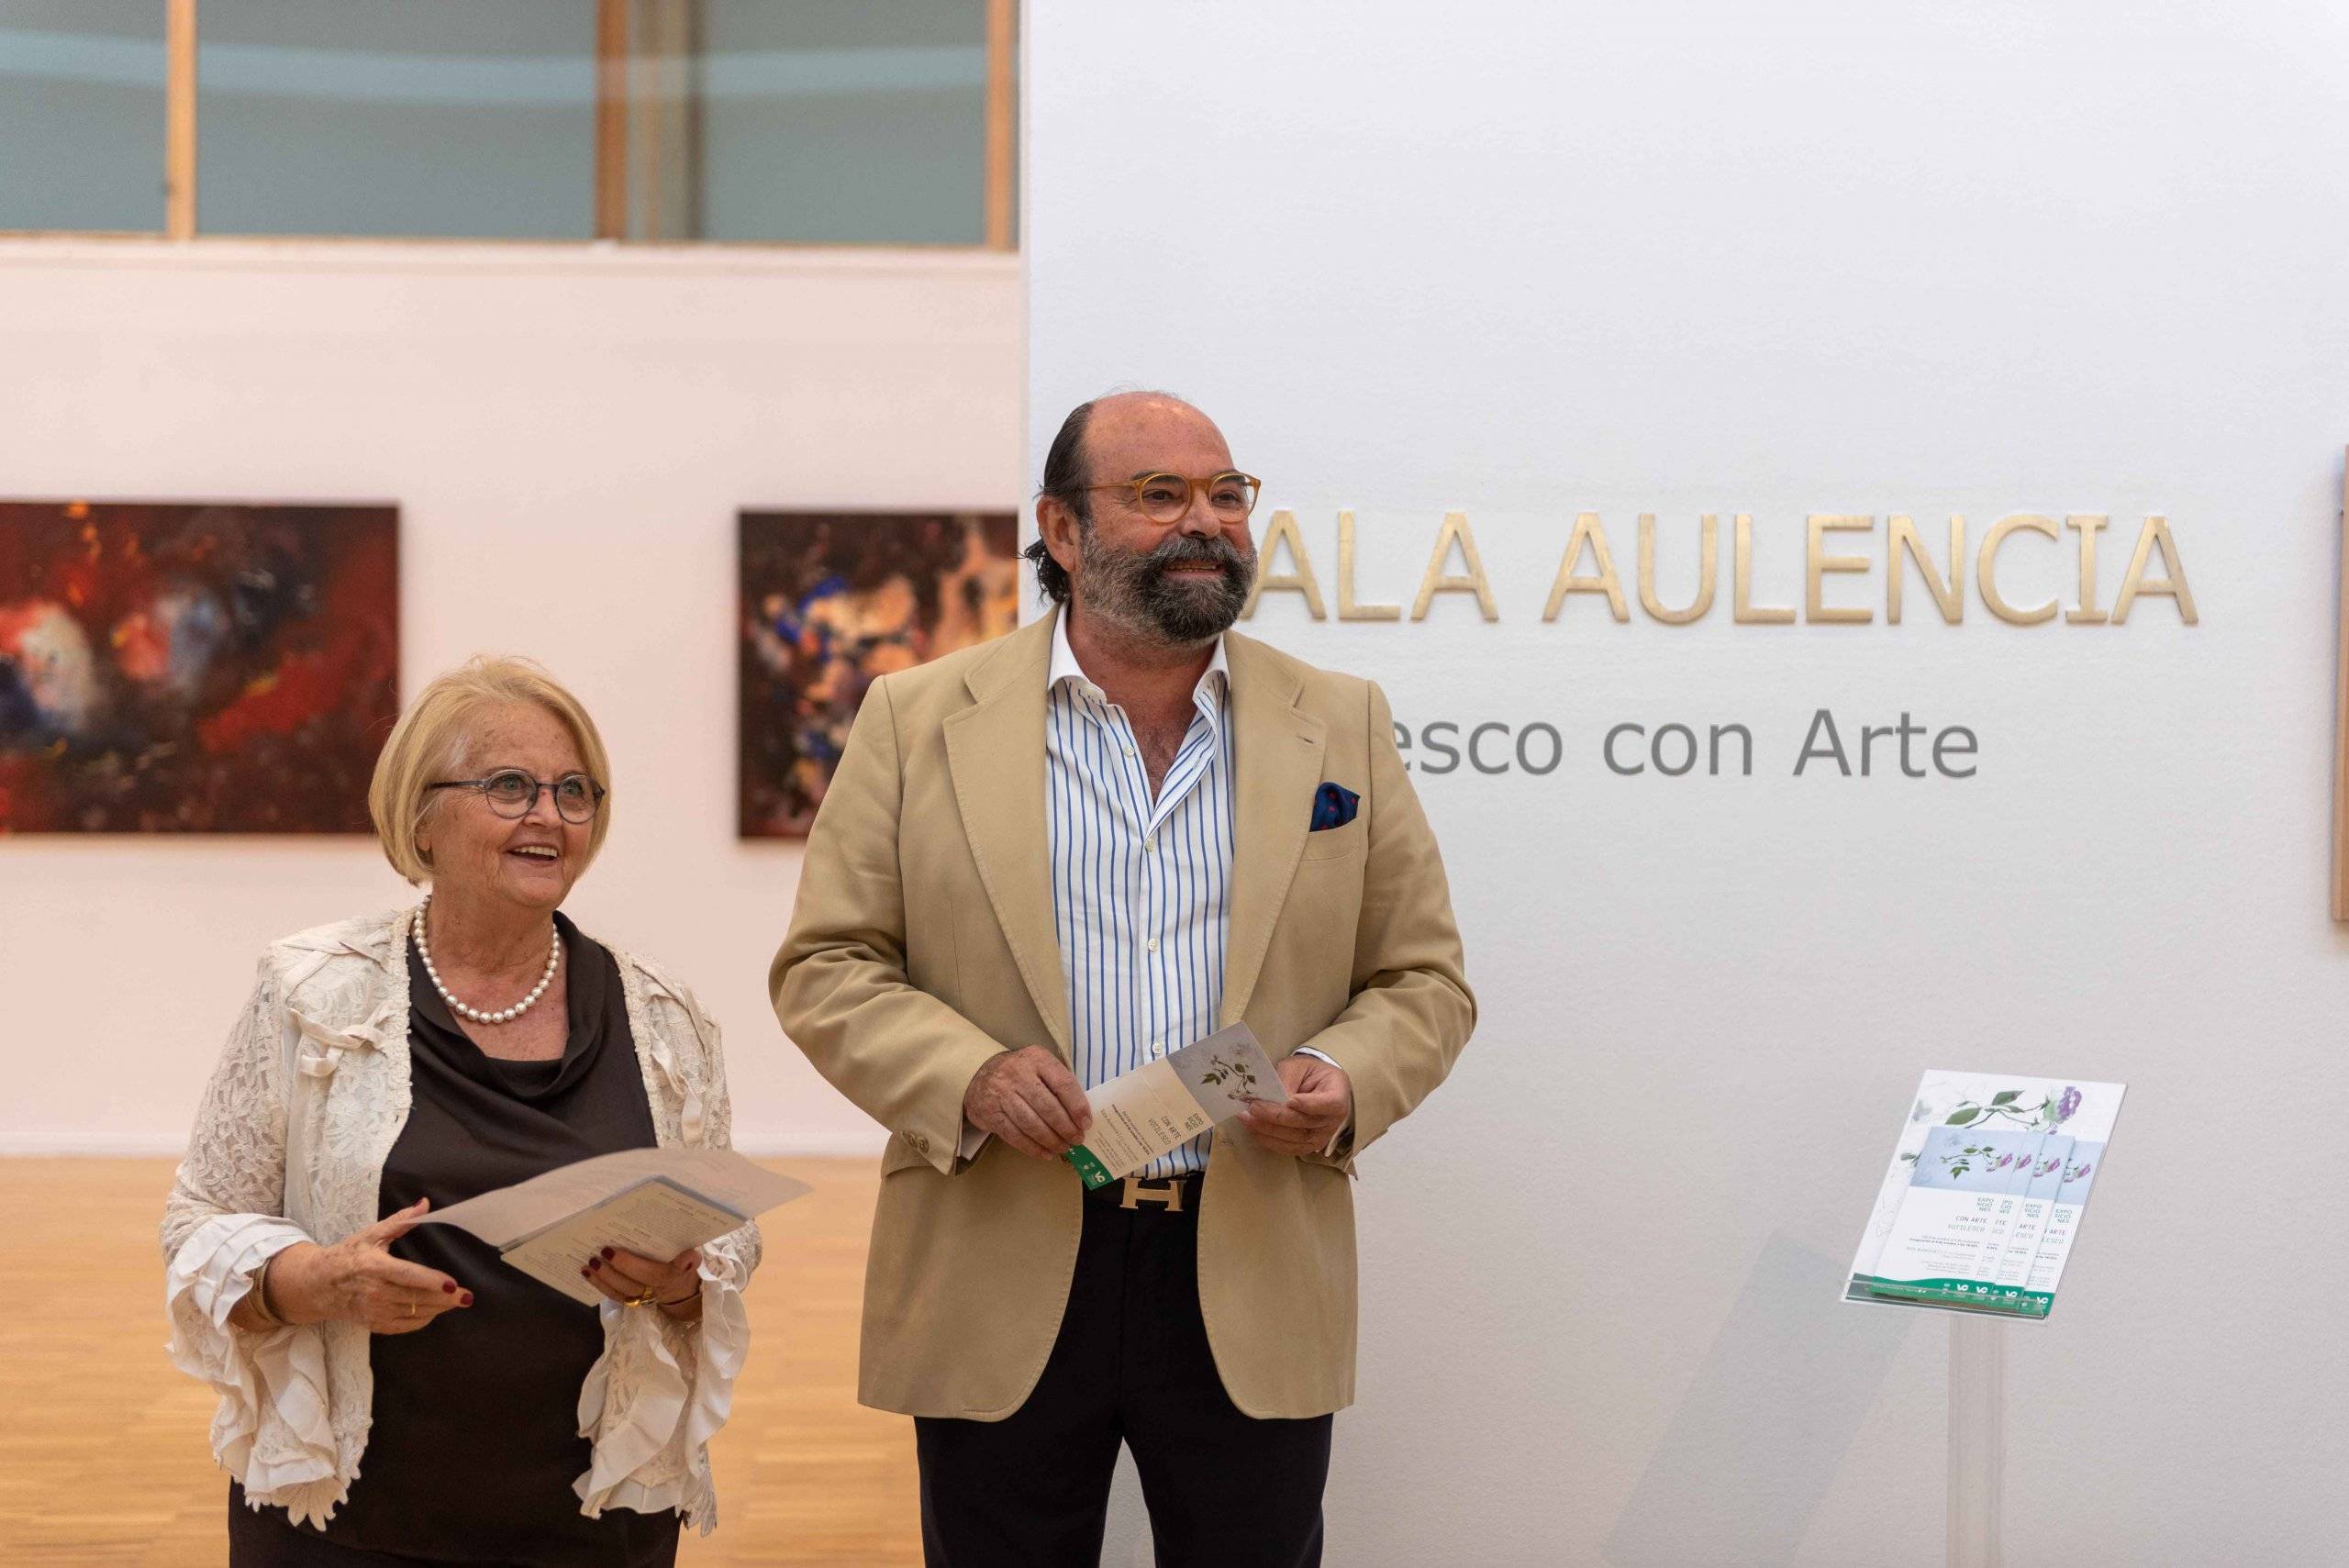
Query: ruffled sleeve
(658, 1395)
(272, 1429)
(662, 1389)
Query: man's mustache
(1181, 551)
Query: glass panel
(435, 118)
(81, 114)
(843, 121)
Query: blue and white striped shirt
(1142, 886)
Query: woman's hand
(357, 1280)
(676, 1285)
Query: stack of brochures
(1982, 1204)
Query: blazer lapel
(1280, 749)
(995, 750)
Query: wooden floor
(103, 1457)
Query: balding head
(1096, 433)
(1156, 429)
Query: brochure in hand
(1163, 1105)
(655, 1203)
(1984, 1196)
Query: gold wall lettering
(1816, 563)
(1904, 540)
(1985, 573)
(1708, 567)
(1456, 533)
(2088, 526)
(1347, 608)
(1282, 531)
(2134, 582)
(1743, 610)
(1587, 566)
(1586, 529)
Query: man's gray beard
(1132, 590)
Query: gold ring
(647, 1299)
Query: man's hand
(1030, 1099)
(1321, 1101)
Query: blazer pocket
(1335, 843)
(900, 1155)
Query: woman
(397, 1393)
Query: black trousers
(266, 1537)
(1131, 1364)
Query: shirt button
(1152, 945)
(1150, 846)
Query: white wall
(1525, 260)
(569, 433)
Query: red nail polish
(467, 1299)
(449, 1287)
(608, 1252)
(594, 1263)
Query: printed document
(655, 1203)
(1163, 1105)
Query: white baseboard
(801, 1146)
(105, 1145)
(26, 1142)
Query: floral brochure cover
(1161, 1104)
(1984, 1196)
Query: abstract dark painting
(170, 667)
(831, 601)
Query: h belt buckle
(1168, 1192)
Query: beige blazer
(923, 943)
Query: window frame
(613, 195)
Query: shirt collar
(1209, 692)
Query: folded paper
(655, 1203)
(1163, 1105)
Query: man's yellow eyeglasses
(1165, 497)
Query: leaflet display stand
(1976, 1216)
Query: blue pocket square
(1334, 806)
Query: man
(1044, 862)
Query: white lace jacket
(310, 1093)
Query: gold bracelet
(259, 1293)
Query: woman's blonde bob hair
(428, 745)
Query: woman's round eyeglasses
(511, 793)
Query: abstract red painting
(194, 668)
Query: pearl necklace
(546, 977)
